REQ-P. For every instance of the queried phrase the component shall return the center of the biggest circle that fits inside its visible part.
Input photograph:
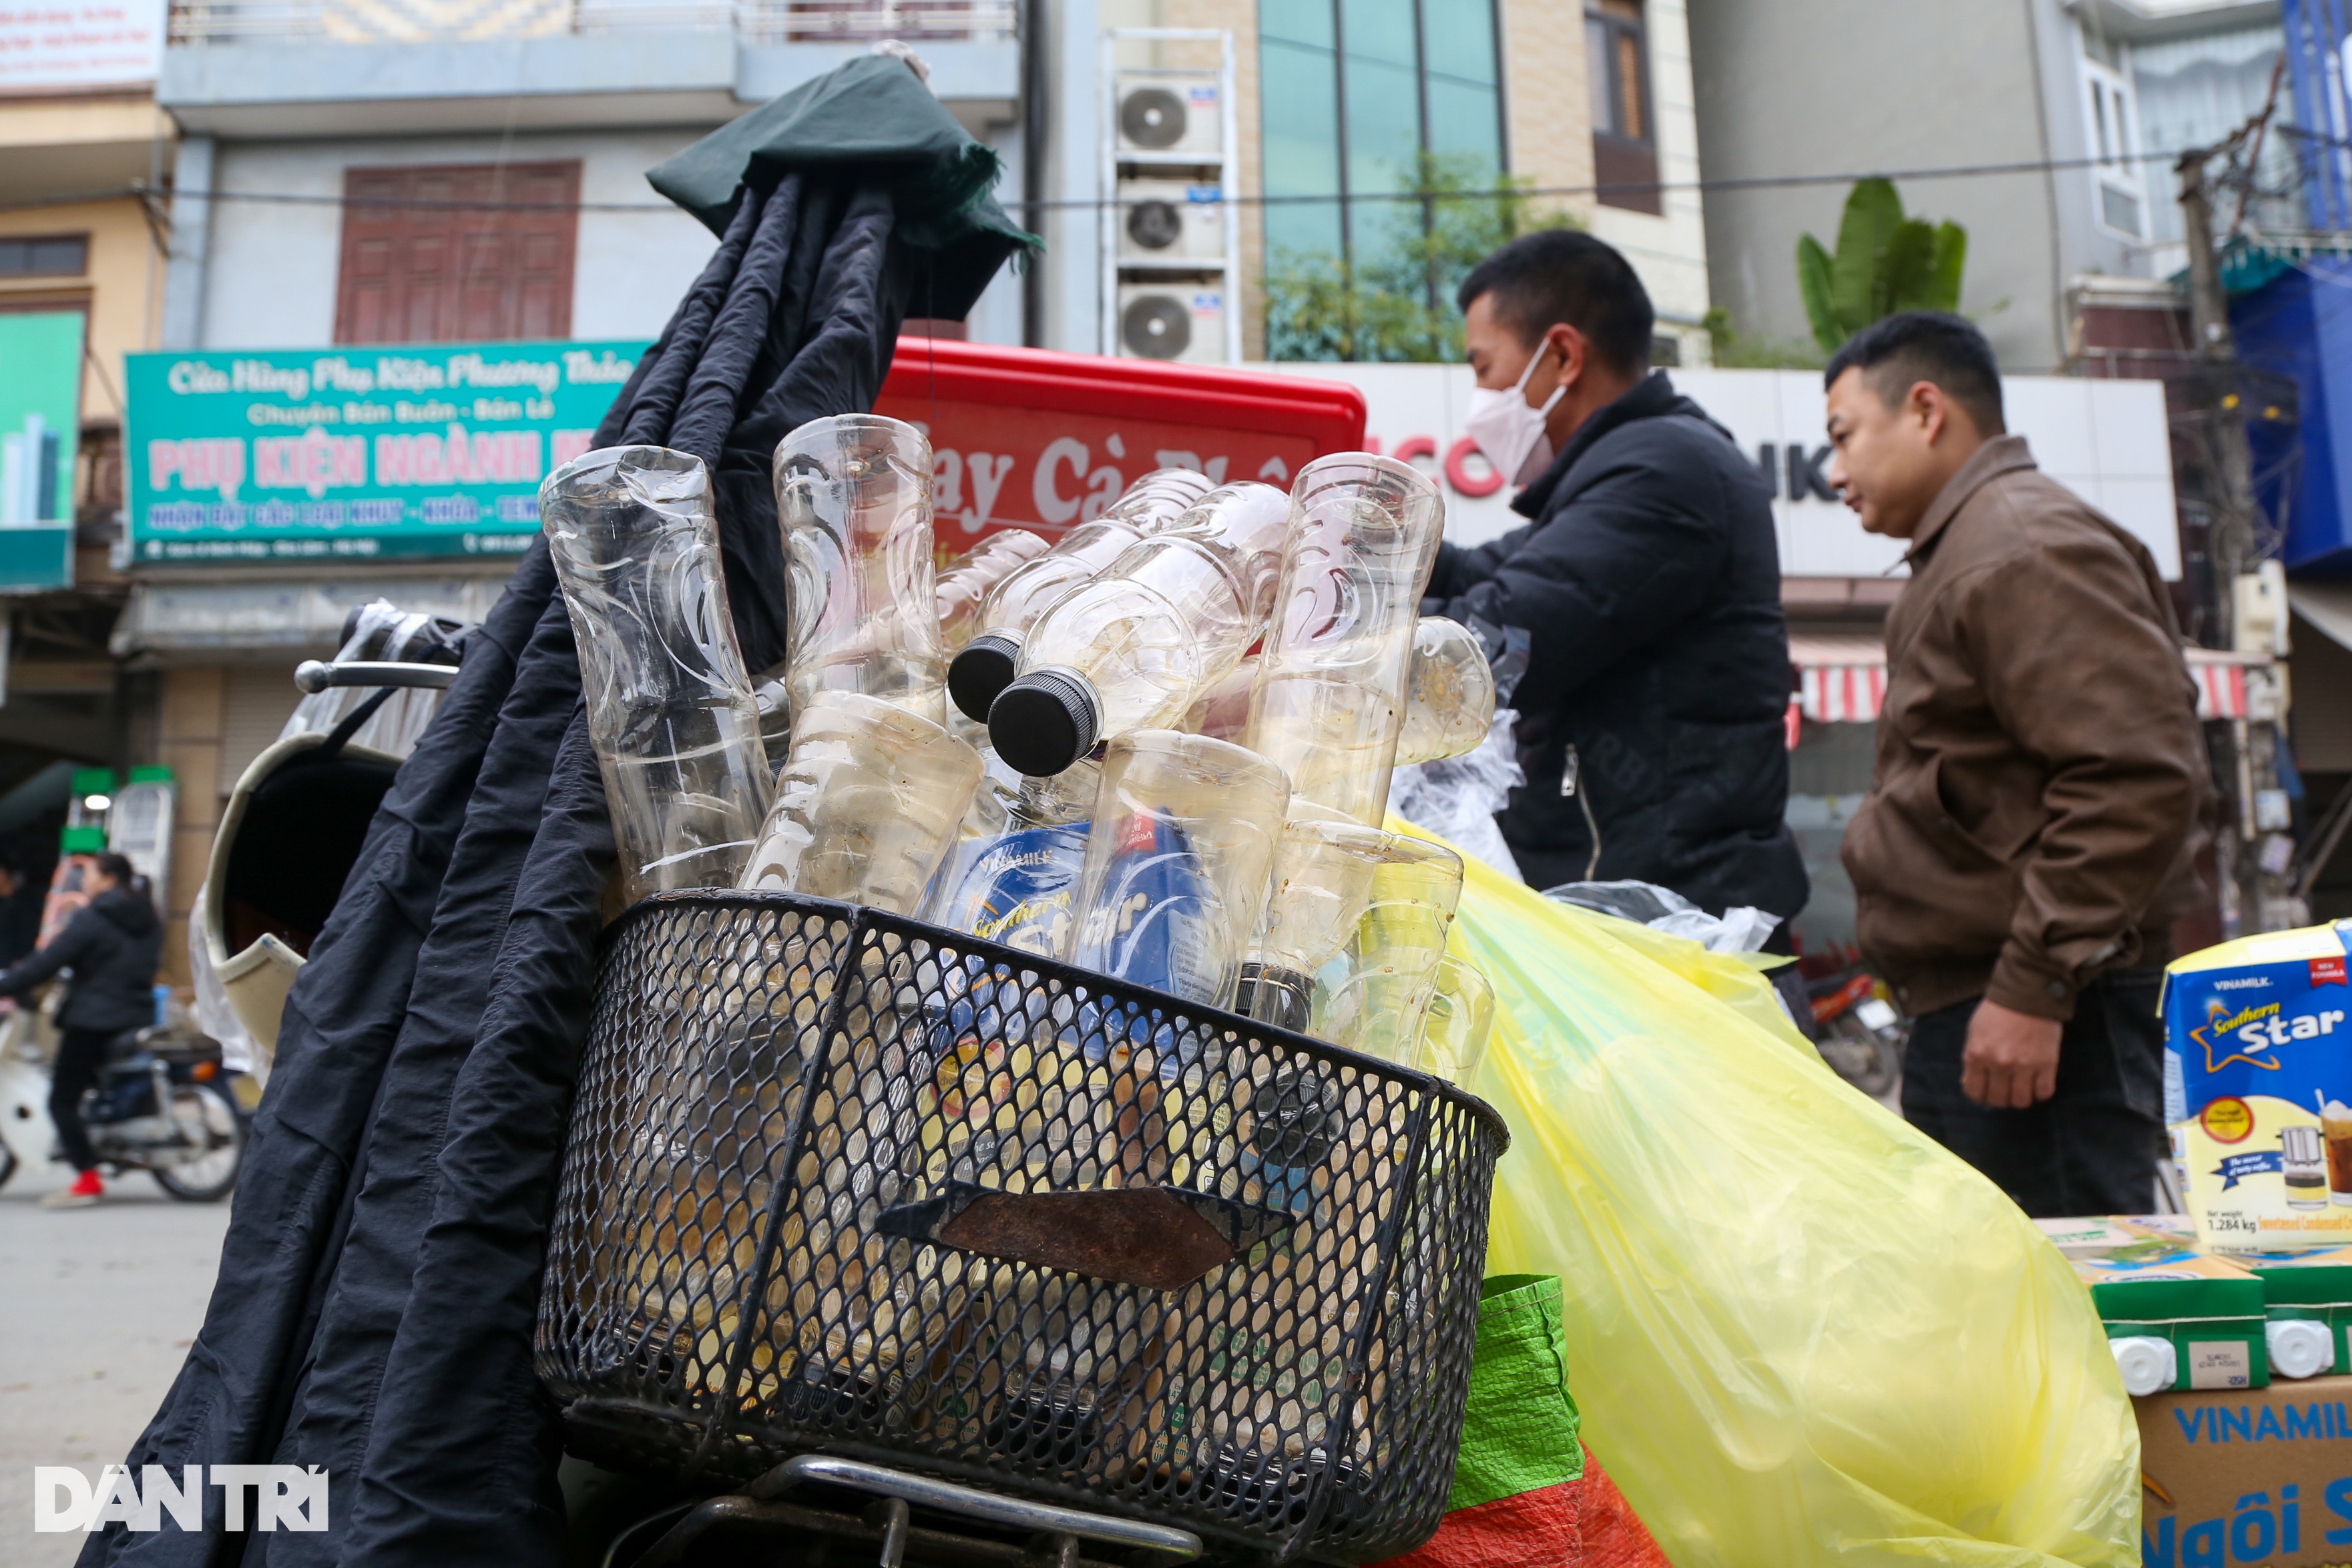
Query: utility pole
(2231, 535)
(2256, 894)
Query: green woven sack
(1519, 1433)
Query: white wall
(272, 278)
(2109, 441)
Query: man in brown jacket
(2040, 787)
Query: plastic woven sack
(1801, 1331)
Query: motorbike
(1858, 1030)
(163, 1104)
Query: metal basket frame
(838, 1180)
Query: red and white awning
(1841, 679)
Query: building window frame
(1624, 116)
(28, 257)
(429, 251)
(2111, 131)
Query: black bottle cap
(1283, 997)
(983, 668)
(1044, 721)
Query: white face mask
(1509, 430)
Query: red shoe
(86, 1190)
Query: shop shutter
(458, 254)
(255, 706)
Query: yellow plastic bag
(1801, 1331)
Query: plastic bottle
(1135, 647)
(963, 585)
(1222, 713)
(1377, 1000)
(1322, 886)
(853, 499)
(868, 805)
(1330, 695)
(636, 546)
(986, 664)
(1018, 884)
(1449, 693)
(1460, 1021)
(1177, 863)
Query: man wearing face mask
(1647, 590)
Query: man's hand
(2011, 1060)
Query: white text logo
(284, 1496)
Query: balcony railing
(204, 22)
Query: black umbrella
(373, 1310)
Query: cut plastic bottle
(1449, 693)
(1331, 696)
(853, 500)
(1460, 1020)
(1178, 858)
(1138, 646)
(670, 711)
(987, 663)
(868, 805)
(963, 585)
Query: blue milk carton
(2258, 1089)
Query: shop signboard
(40, 418)
(48, 44)
(356, 453)
(2110, 442)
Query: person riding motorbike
(111, 946)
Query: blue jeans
(2090, 1148)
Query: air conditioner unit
(1169, 220)
(1165, 114)
(1184, 322)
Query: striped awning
(1841, 679)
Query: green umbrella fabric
(871, 123)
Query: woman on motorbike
(111, 946)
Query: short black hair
(1913, 346)
(1566, 276)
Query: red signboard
(1034, 439)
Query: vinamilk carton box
(2145, 1283)
(2258, 1090)
(2259, 1476)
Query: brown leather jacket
(2042, 783)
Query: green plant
(1396, 303)
(1885, 262)
(1733, 350)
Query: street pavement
(97, 1310)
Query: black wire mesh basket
(839, 1180)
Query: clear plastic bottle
(1135, 647)
(1449, 693)
(1222, 713)
(1330, 691)
(1461, 1019)
(1018, 882)
(986, 664)
(1374, 997)
(636, 546)
(963, 585)
(868, 804)
(853, 499)
(1322, 886)
(1178, 857)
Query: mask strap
(1520, 388)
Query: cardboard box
(2147, 1284)
(2258, 1088)
(2259, 1477)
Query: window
(1356, 93)
(458, 254)
(45, 256)
(2111, 123)
(1624, 130)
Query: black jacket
(1649, 586)
(111, 946)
